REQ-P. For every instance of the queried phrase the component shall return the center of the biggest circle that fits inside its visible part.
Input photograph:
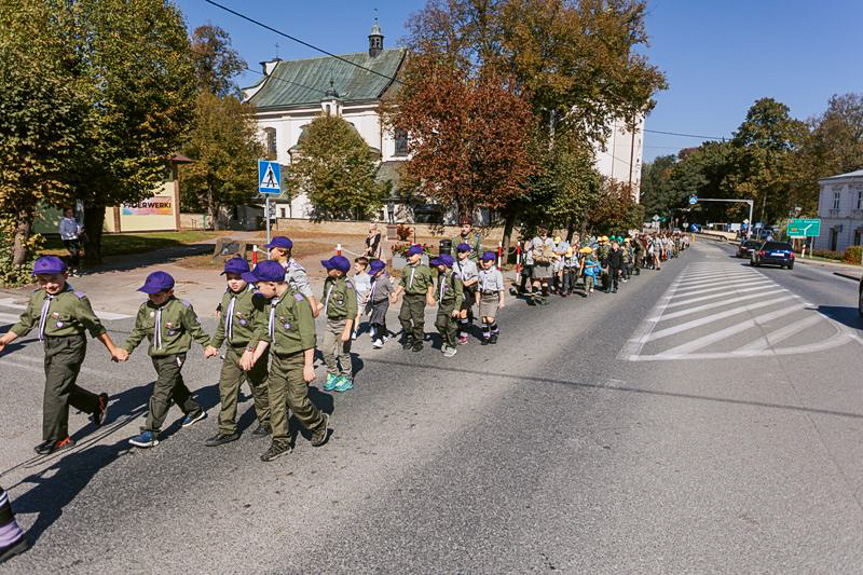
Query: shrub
(405, 233)
(827, 254)
(15, 276)
(853, 254)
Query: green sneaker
(344, 383)
(332, 381)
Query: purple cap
(267, 271)
(280, 242)
(49, 265)
(377, 265)
(489, 256)
(340, 263)
(236, 266)
(414, 250)
(443, 260)
(463, 248)
(156, 282)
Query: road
(706, 419)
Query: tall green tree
(216, 62)
(657, 196)
(336, 169)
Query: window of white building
(271, 143)
(859, 189)
(837, 199)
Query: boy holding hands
(450, 295)
(490, 297)
(417, 284)
(339, 305)
(379, 302)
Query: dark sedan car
(774, 253)
(746, 247)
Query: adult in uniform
(281, 248)
(541, 249)
(469, 237)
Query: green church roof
(301, 83)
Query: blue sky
(719, 55)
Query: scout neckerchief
(229, 320)
(411, 281)
(43, 318)
(157, 332)
(327, 299)
(442, 287)
(271, 326)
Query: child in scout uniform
(466, 269)
(170, 325)
(450, 295)
(62, 315)
(340, 308)
(13, 541)
(242, 314)
(418, 286)
(280, 250)
(363, 284)
(290, 334)
(379, 302)
(490, 297)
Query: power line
(295, 39)
(679, 134)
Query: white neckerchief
(157, 333)
(229, 320)
(43, 317)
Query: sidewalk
(847, 271)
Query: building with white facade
(621, 156)
(840, 207)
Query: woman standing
(373, 243)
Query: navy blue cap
(489, 256)
(280, 242)
(236, 266)
(49, 265)
(414, 250)
(443, 260)
(340, 263)
(463, 248)
(377, 265)
(156, 282)
(267, 271)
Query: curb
(847, 276)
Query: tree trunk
(213, 210)
(508, 225)
(23, 222)
(570, 230)
(94, 220)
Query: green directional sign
(804, 228)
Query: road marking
(782, 334)
(737, 277)
(716, 304)
(16, 359)
(103, 315)
(687, 292)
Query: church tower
(376, 40)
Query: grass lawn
(125, 244)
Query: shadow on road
(847, 316)
(155, 257)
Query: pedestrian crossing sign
(269, 177)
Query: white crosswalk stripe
(717, 310)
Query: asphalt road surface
(706, 419)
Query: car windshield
(776, 246)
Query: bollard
(499, 254)
(255, 255)
(339, 249)
(518, 257)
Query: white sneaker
(377, 344)
(354, 336)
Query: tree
(216, 62)
(656, 192)
(336, 169)
(468, 143)
(615, 212)
(224, 148)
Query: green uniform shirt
(416, 279)
(290, 325)
(177, 326)
(450, 289)
(241, 325)
(473, 240)
(68, 313)
(340, 298)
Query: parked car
(746, 247)
(774, 253)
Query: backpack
(541, 255)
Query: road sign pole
(267, 215)
(749, 226)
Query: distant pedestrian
(239, 325)
(373, 243)
(339, 306)
(449, 295)
(281, 250)
(170, 325)
(615, 266)
(490, 297)
(13, 540)
(291, 337)
(542, 251)
(70, 234)
(417, 284)
(62, 316)
(379, 302)
(470, 237)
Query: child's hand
(456, 313)
(247, 362)
(308, 373)
(502, 305)
(210, 351)
(119, 354)
(346, 336)
(430, 301)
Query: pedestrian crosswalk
(10, 311)
(717, 310)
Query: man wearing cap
(170, 325)
(295, 274)
(242, 315)
(62, 316)
(450, 295)
(467, 271)
(417, 284)
(339, 306)
(290, 333)
(470, 238)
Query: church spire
(376, 40)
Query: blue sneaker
(344, 383)
(332, 381)
(193, 419)
(145, 439)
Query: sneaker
(418, 346)
(275, 451)
(344, 383)
(98, 416)
(322, 433)
(331, 382)
(485, 341)
(262, 430)
(354, 336)
(52, 445)
(191, 420)
(443, 347)
(17, 548)
(386, 338)
(221, 439)
(450, 351)
(462, 339)
(408, 343)
(145, 439)
(493, 339)
(378, 343)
